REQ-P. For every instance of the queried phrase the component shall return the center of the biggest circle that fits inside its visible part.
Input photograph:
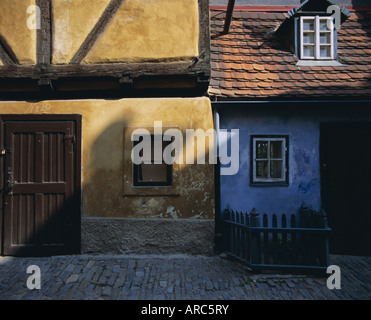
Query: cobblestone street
(83, 277)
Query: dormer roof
(314, 6)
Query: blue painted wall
(302, 125)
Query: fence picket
(266, 240)
(284, 240)
(255, 237)
(275, 240)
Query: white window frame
(317, 32)
(284, 170)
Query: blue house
(295, 81)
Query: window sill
(269, 184)
(130, 190)
(320, 63)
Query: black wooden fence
(284, 243)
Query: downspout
(228, 17)
(218, 240)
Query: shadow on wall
(103, 185)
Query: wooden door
(41, 211)
(346, 186)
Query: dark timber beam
(98, 29)
(5, 56)
(43, 35)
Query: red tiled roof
(250, 63)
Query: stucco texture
(303, 153)
(14, 32)
(104, 162)
(141, 30)
(147, 30)
(301, 123)
(72, 22)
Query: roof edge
(265, 8)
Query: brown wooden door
(346, 186)
(41, 213)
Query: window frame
(317, 36)
(136, 172)
(128, 189)
(284, 180)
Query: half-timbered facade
(76, 79)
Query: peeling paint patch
(173, 213)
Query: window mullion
(317, 37)
(302, 37)
(284, 159)
(332, 39)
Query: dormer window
(310, 32)
(317, 38)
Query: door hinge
(71, 138)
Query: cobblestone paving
(180, 277)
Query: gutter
(249, 102)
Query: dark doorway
(346, 186)
(40, 182)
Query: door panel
(346, 186)
(40, 212)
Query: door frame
(77, 119)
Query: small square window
(152, 174)
(316, 38)
(269, 160)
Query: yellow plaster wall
(141, 30)
(72, 22)
(14, 32)
(147, 30)
(104, 162)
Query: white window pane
(325, 38)
(308, 37)
(276, 150)
(261, 149)
(308, 51)
(325, 52)
(326, 24)
(262, 169)
(276, 169)
(308, 24)
(323, 25)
